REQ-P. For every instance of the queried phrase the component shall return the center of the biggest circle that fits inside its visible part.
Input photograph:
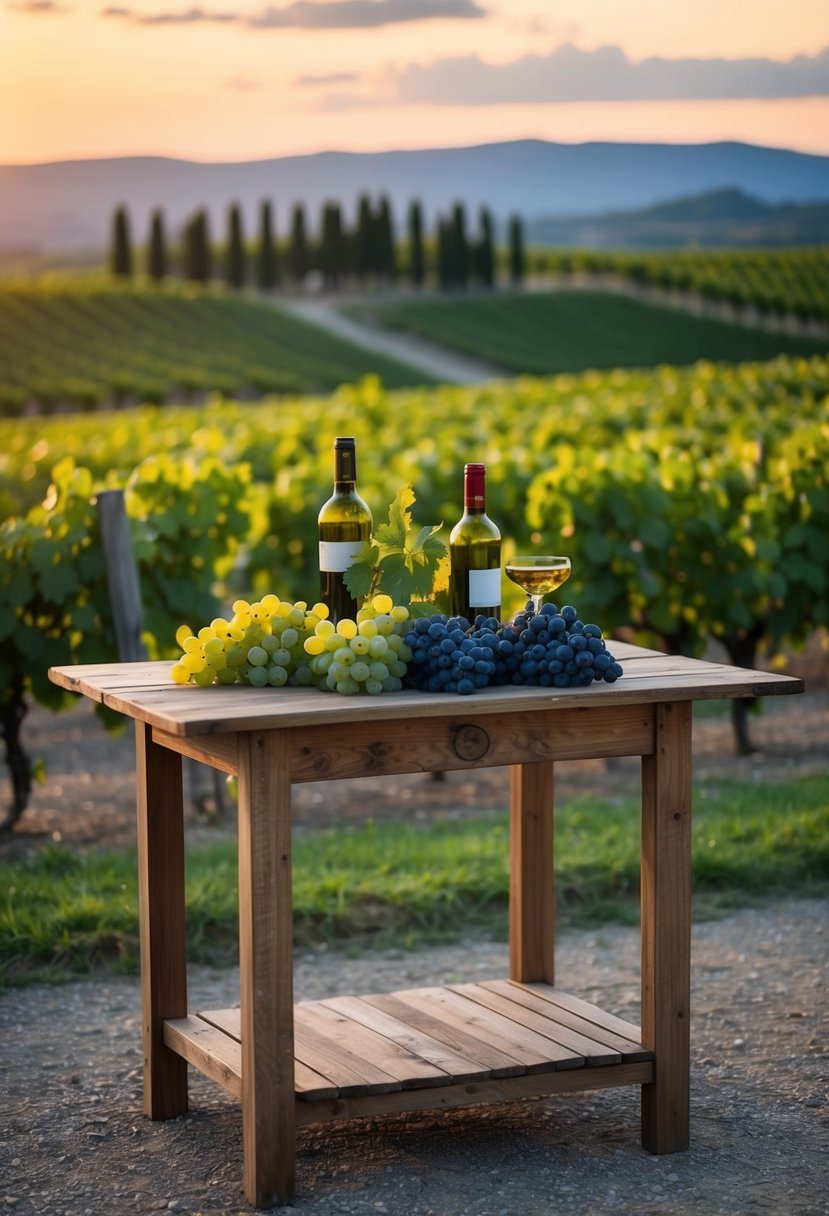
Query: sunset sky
(223, 81)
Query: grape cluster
(550, 649)
(276, 642)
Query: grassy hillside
(86, 345)
(569, 331)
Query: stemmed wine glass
(538, 574)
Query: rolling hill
(725, 218)
(68, 205)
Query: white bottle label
(484, 588)
(337, 555)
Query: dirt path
(438, 362)
(73, 1141)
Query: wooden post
(122, 575)
(162, 924)
(666, 928)
(532, 881)
(266, 967)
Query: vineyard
(83, 346)
(545, 333)
(787, 282)
(693, 503)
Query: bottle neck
(474, 489)
(345, 469)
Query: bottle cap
(474, 482)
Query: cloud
(331, 78)
(569, 74)
(190, 16)
(38, 6)
(312, 15)
(242, 84)
(361, 14)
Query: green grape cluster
(368, 655)
(275, 642)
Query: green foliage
(692, 501)
(543, 333)
(786, 281)
(400, 559)
(91, 345)
(63, 913)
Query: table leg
(532, 878)
(161, 919)
(666, 928)
(266, 967)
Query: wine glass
(538, 574)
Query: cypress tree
(267, 262)
(516, 249)
(444, 242)
(197, 267)
(460, 247)
(121, 251)
(417, 267)
(485, 250)
(384, 228)
(332, 245)
(157, 249)
(235, 269)
(298, 247)
(364, 239)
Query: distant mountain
(726, 217)
(68, 204)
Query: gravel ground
(73, 1141)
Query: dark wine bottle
(475, 553)
(344, 524)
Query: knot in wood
(470, 742)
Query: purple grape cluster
(549, 649)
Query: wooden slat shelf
(441, 1047)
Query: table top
(144, 691)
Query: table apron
(379, 748)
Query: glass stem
(538, 600)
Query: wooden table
(441, 1047)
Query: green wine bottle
(344, 524)
(475, 553)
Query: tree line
(453, 257)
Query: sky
(217, 81)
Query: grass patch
(62, 913)
(569, 331)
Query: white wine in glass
(538, 574)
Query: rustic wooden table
(435, 1047)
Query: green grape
(257, 656)
(270, 643)
(290, 637)
(378, 647)
(258, 677)
(359, 644)
(360, 671)
(378, 671)
(277, 676)
(348, 687)
(373, 687)
(226, 675)
(304, 675)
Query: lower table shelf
(430, 1047)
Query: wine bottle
(344, 523)
(475, 553)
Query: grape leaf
(401, 560)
